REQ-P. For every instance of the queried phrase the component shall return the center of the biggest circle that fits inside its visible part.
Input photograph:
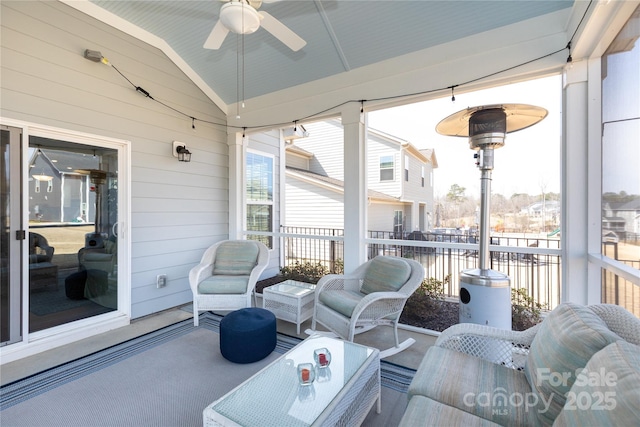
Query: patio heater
(97, 178)
(485, 294)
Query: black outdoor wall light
(181, 152)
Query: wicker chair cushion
(385, 274)
(473, 385)
(565, 342)
(224, 284)
(610, 380)
(423, 411)
(341, 301)
(236, 257)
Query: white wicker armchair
(226, 276)
(510, 348)
(374, 294)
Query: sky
(529, 162)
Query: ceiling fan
(242, 17)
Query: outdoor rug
(164, 378)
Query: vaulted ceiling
(347, 41)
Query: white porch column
(415, 217)
(575, 174)
(355, 187)
(237, 214)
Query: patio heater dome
(485, 294)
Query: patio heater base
(485, 298)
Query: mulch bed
(418, 311)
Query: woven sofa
(580, 366)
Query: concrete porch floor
(380, 337)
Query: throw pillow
(236, 257)
(606, 392)
(565, 342)
(385, 274)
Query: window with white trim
(387, 168)
(259, 191)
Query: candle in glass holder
(322, 357)
(306, 373)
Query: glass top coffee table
(290, 300)
(342, 393)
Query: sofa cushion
(477, 386)
(236, 257)
(224, 284)
(423, 411)
(606, 392)
(385, 274)
(341, 301)
(567, 339)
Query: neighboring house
(549, 208)
(400, 181)
(622, 219)
(60, 190)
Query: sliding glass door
(73, 245)
(10, 237)
(59, 239)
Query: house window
(259, 182)
(398, 224)
(406, 168)
(386, 168)
(422, 176)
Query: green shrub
(338, 267)
(425, 303)
(307, 272)
(525, 311)
(433, 288)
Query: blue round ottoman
(247, 335)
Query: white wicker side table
(290, 300)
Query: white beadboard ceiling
(341, 35)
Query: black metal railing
(532, 263)
(315, 246)
(616, 289)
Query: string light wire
(334, 107)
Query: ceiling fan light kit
(239, 18)
(243, 17)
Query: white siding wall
(413, 189)
(309, 205)
(295, 161)
(326, 142)
(377, 147)
(380, 216)
(177, 209)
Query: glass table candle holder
(322, 356)
(306, 373)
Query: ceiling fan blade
(217, 36)
(281, 32)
